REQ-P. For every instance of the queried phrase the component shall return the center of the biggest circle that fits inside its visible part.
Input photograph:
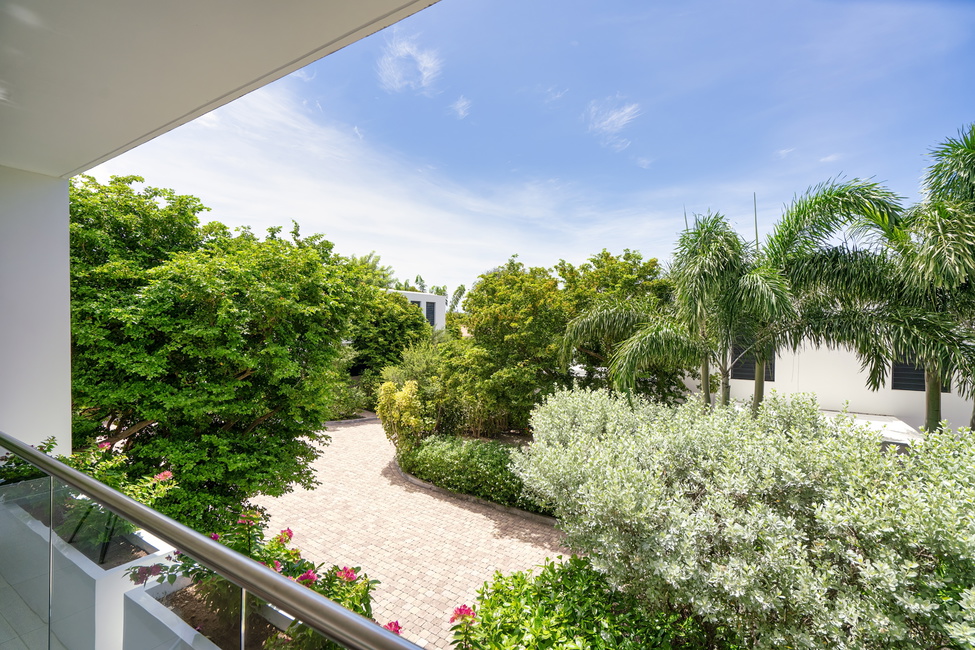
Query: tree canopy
(201, 352)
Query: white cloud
(552, 93)
(833, 157)
(266, 159)
(608, 117)
(304, 74)
(404, 65)
(783, 153)
(461, 107)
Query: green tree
(610, 297)
(372, 271)
(938, 248)
(724, 293)
(800, 287)
(517, 315)
(211, 360)
(455, 298)
(384, 325)
(888, 284)
(608, 276)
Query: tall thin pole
(755, 206)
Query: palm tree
(726, 294)
(898, 284)
(845, 266)
(723, 295)
(937, 246)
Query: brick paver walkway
(430, 551)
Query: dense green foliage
(571, 605)
(513, 355)
(480, 468)
(203, 353)
(516, 316)
(385, 324)
(790, 529)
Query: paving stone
(430, 551)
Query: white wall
(440, 311)
(35, 328)
(835, 377)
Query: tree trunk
(759, 385)
(725, 387)
(706, 381)
(932, 400)
(134, 429)
(724, 366)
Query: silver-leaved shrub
(786, 530)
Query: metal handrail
(314, 610)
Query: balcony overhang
(82, 82)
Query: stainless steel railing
(327, 618)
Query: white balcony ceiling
(82, 81)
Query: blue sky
(478, 129)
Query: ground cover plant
(788, 529)
(480, 468)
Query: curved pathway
(430, 551)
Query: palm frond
(952, 175)
(764, 294)
(816, 218)
(943, 252)
(845, 274)
(656, 341)
(613, 321)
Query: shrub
(347, 586)
(480, 468)
(793, 530)
(400, 412)
(568, 605)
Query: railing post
(243, 618)
(50, 561)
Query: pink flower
(394, 627)
(143, 573)
(463, 614)
(285, 536)
(308, 576)
(214, 536)
(140, 576)
(277, 566)
(104, 445)
(347, 574)
(163, 476)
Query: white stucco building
(433, 306)
(834, 376)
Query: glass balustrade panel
(25, 504)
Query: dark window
(906, 375)
(744, 367)
(415, 302)
(432, 313)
